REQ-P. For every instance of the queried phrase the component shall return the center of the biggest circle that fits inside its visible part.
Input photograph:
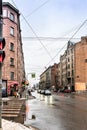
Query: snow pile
(9, 125)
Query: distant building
(59, 75)
(13, 68)
(54, 78)
(48, 78)
(42, 84)
(63, 69)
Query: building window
(85, 60)
(68, 66)
(11, 47)
(68, 52)
(4, 13)
(77, 76)
(12, 75)
(72, 73)
(68, 60)
(12, 31)
(12, 17)
(12, 61)
(72, 50)
(68, 73)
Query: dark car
(61, 90)
(67, 91)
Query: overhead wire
(71, 30)
(35, 33)
(48, 38)
(52, 58)
(66, 43)
(55, 38)
(78, 29)
(38, 8)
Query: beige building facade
(48, 79)
(66, 68)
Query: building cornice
(10, 6)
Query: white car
(47, 92)
(42, 91)
(39, 90)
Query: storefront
(12, 87)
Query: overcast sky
(49, 18)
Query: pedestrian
(20, 92)
(29, 92)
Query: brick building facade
(81, 64)
(13, 67)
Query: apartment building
(42, 80)
(71, 71)
(54, 77)
(48, 78)
(13, 70)
(81, 65)
(66, 67)
(72, 68)
(63, 69)
(59, 75)
(70, 65)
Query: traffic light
(2, 45)
(0, 7)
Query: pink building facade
(13, 70)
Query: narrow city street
(58, 112)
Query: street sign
(33, 75)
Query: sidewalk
(12, 125)
(9, 125)
(80, 93)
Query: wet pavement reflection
(57, 112)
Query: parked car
(61, 90)
(39, 90)
(47, 92)
(42, 91)
(67, 91)
(64, 90)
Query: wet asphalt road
(58, 112)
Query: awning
(13, 83)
